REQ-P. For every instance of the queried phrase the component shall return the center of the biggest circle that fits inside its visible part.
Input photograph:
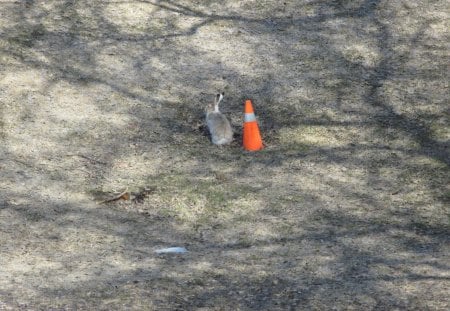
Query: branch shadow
(335, 259)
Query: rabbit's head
(219, 98)
(211, 107)
(214, 107)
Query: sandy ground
(347, 207)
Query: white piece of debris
(171, 250)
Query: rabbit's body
(218, 125)
(219, 128)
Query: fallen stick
(125, 195)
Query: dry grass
(346, 207)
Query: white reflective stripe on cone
(249, 117)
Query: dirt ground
(347, 207)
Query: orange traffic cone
(251, 138)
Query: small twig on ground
(19, 161)
(125, 195)
(87, 158)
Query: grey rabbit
(218, 125)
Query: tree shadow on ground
(339, 243)
(316, 268)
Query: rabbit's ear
(219, 98)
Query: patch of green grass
(278, 204)
(197, 200)
(440, 132)
(317, 135)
